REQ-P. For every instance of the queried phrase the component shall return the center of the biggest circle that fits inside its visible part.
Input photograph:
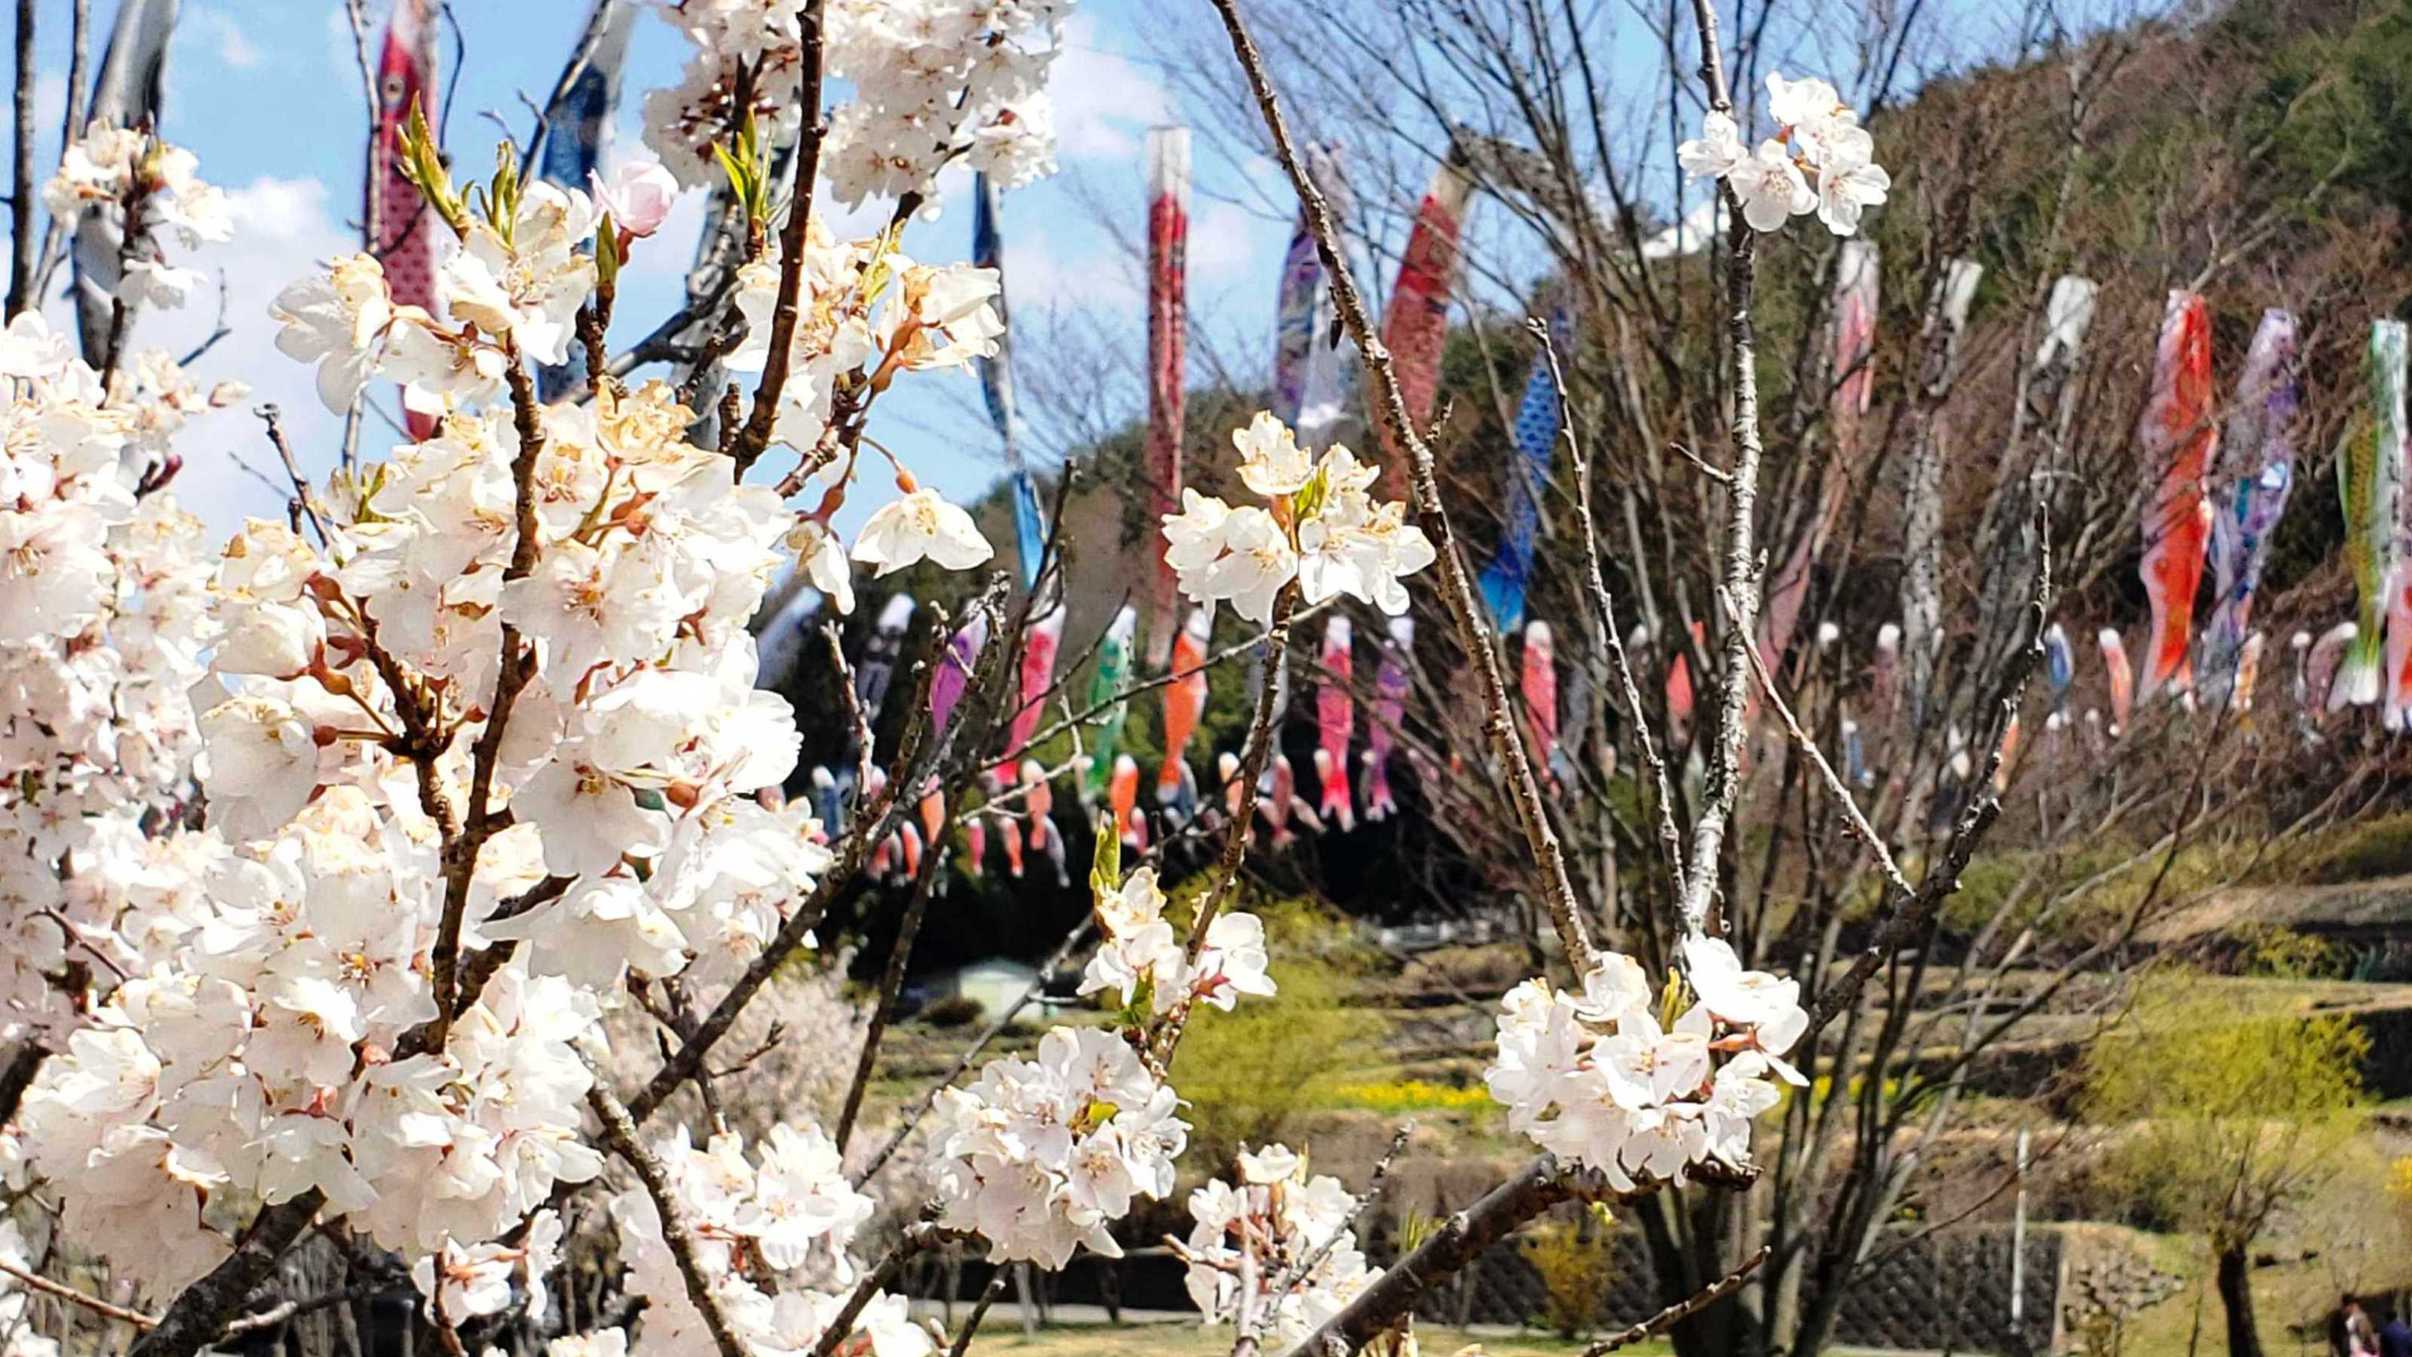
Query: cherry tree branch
(21, 200)
(1611, 636)
(755, 437)
(676, 1232)
(933, 861)
(1741, 574)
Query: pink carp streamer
(1416, 327)
(2178, 435)
(2320, 667)
(1167, 321)
(1184, 703)
(406, 228)
(1039, 646)
(1335, 723)
(2122, 676)
(1039, 800)
(1390, 708)
(1852, 333)
(1540, 688)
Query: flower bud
(638, 195)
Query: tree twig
(1681, 1310)
(933, 860)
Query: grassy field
(1193, 1340)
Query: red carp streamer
(1184, 703)
(1167, 286)
(405, 239)
(2178, 434)
(1417, 323)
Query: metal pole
(2018, 1249)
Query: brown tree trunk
(2236, 1297)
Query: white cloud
(234, 47)
(1222, 246)
(1103, 101)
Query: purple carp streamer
(1334, 372)
(2259, 465)
(1390, 707)
(1335, 723)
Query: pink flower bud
(638, 195)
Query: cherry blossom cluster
(1820, 159)
(1144, 961)
(1274, 1252)
(747, 70)
(258, 1061)
(933, 80)
(771, 1233)
(104, 614)
(866, 314)
(1320, 526)
(1040, 1157)
(145, 186)
(937, 79)
(536, 648)
(513, 287)
(1645, 1086)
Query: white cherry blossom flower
(1771, 187)
(1271, 462)
(920, 525)
(1717, 152)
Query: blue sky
(267, 93)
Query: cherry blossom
(1034, 1153)
(1608, 1078)
(1323, 529)
(1820, 160)
(917, 526)
(142, 184)
(1274, 1252)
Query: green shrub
(955, 1010)
(1249, 1074)
(1573, 1258)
